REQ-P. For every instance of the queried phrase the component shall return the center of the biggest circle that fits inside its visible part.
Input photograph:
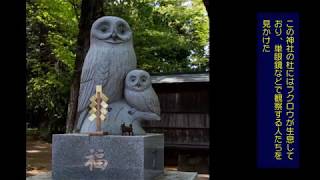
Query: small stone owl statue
(139, 93)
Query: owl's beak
(114, 39)
(114, 36)
(138, 85)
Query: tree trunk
(90, 11)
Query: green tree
(51, 36)
(169, 35)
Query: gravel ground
(38, 157)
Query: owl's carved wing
(152, 102)
(91, 76)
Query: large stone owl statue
(139, 93)
(110, 57)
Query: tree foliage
(51, 38)
(169, 36)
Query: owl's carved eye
(121, 28)
(133, 78)
(143, 78)
(104, 28)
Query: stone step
(168, 175)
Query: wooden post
(98, 113)
(98, 99)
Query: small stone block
(112, 157)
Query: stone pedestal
(112, 157)
(168, 175)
